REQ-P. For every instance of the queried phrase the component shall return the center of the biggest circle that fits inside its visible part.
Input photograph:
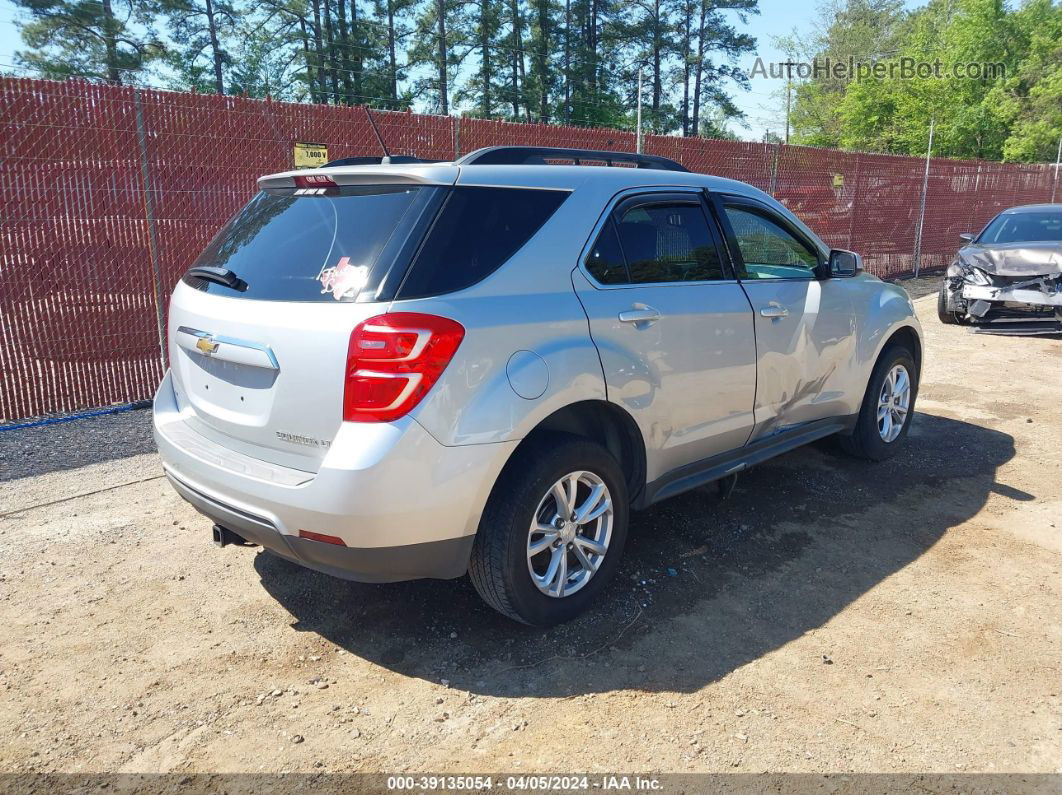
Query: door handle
(641, 315)
(774, 310)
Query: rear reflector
(393, 360)
(339, 542)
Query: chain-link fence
(107, 193)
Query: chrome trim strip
(233, 341)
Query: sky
(763, 105)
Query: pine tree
(542, 80)
(432, 48)
(390, 33)
(200, 28)
(107, 39)
(516, 90)
(717, 34)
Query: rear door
(805, 327)
(673, 328)
(260, 368)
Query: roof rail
(537, 155)
(376, 160)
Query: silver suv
(393, 371)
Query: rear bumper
(405, 506)
(442, 559)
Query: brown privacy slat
(78, 325)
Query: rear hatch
(259, 327)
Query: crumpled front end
(1016, 289)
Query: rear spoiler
(391, 174)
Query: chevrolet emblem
(206, 345)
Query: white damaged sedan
(1009, 277)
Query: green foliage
(258, 69)
(199, 30)
(859, 29)
(571, 61)
(1012, 109)
(108, 39)
(1030, 100)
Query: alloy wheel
(569, 534)
(893, 403)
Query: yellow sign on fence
(310, 155)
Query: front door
(673, 328)
(805, 327)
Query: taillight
(314, 181)
(392, 362)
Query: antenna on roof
(387, 155)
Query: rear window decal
(344, 280)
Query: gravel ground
(25, 452)
(832, 616)
(926, 284)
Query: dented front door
(805, 326)
(805, 341)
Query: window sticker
(344, 280)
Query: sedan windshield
(1024, 227)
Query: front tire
(947, 317)
(888, 406)
(552, 532)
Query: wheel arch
(902, 331)
(602, 422)
(909, 337)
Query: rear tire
(525, 513)
(875, 436)
(945, 316)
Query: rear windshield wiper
(222, 276)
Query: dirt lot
(831, 616)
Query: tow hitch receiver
(223, 537)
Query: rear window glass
(477, 230)
(312, 248)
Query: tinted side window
(477, 230)
(770, 251)
(605, 260)
(668, 243)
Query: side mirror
(844, 263)
(967, 237)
